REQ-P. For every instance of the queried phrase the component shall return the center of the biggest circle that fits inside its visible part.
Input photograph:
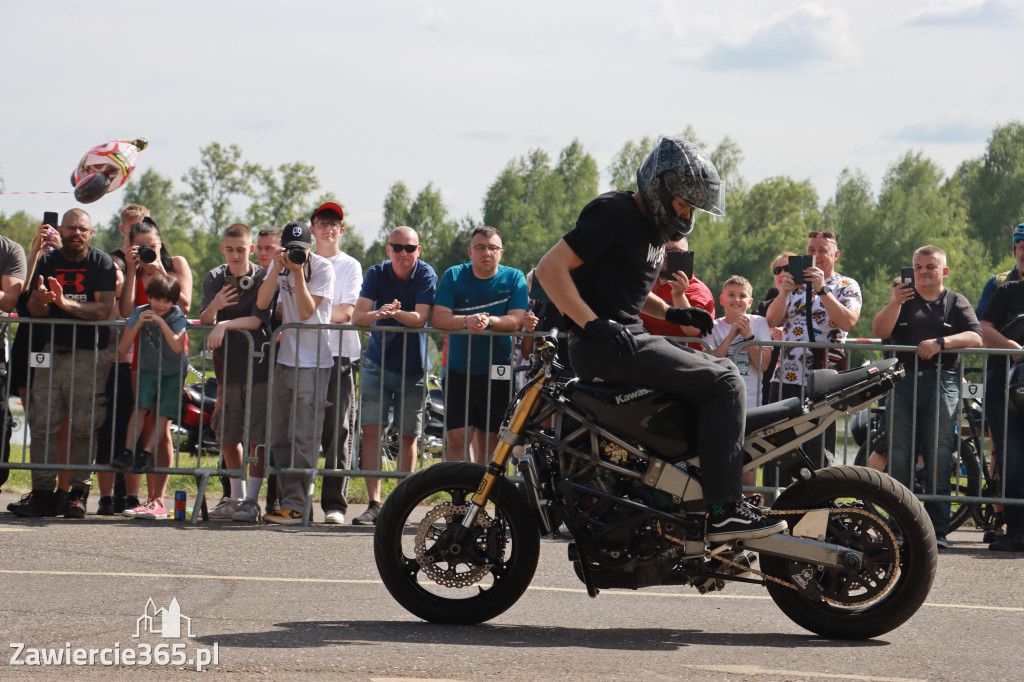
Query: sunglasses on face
(408, 248)
(779, 269)
(823, 235)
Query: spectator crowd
(107, 394)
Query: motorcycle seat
(826, 381)
(759, 417)
(203, 395)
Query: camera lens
(146, 254)
(297, 255)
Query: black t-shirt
(235, 342)
(920, 320)
(1006, 304)
(621, 257)
(81, 280)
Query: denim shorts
(402, 392)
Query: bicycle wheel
(965, 480)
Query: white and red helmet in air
(104, 168)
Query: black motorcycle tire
(918, 554)
(402, 574)
(959, 513)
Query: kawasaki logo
(627, 397)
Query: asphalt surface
(306, 603)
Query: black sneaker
(74, 504)
(941, 542)
(1008, 543)
(143, 463)
(368, 517)
(37, 503)
(739, 521)
(122, 461)
(105, 507)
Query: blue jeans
(935, 412)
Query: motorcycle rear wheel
(889, 604)
(489, 571)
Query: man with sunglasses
(835, 303)
(396, 293)
(348, 277)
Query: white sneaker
(225, 509)
(247, 511)
(334, 517)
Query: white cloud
(960, 14)
(808, 37)
(946, 130)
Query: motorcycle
(197, 402)
(431, 441)
(616, 464)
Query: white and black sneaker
(739, 521)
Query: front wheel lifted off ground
(443, 574)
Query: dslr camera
(146, 254)
(297, 254)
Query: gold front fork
(509, 437)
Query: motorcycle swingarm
(804, 550)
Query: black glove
(613, 334)
(691, 317)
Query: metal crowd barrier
(346, 458)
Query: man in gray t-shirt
(12, 281)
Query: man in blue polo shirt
(479, 296)
(397, 293)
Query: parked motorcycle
(616, 464)
(197, 402)
(431, 441)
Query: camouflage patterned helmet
(677, 169)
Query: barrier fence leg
(202, 478)
(307, 512)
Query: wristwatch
(823, 291)
(942, 342)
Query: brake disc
(436, 563)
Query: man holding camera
(925, 314)
(304, 362)
(822, 308)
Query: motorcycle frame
(668, 477)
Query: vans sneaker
(740, 521)
(225, 509)
(248, 511)
(286, 517)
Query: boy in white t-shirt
(738, 327)
(735, 328)
(304, 361)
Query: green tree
(578, 172)
(220, 175)
(279, 196)
(994, 187)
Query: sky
(450, 92)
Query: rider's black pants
(711, 385)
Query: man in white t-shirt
(304, 361)
(328, 227)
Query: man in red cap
(328, 226)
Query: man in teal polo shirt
(479, 296)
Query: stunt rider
(600, 276)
